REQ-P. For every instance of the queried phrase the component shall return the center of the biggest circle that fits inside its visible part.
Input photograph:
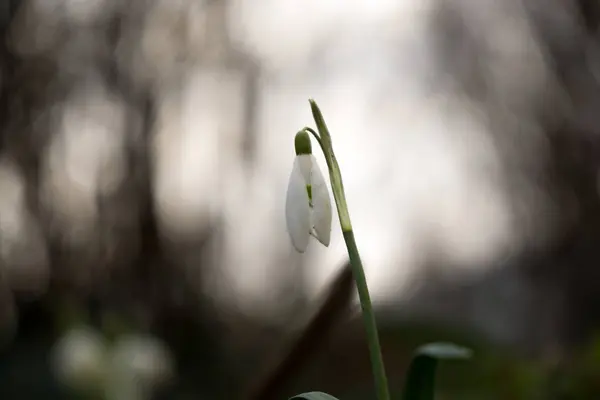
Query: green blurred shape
(420, 379)
(314, 396)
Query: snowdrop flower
(308, 212)
(308, 206)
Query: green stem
(337, 187)
(381, 384)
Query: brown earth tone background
(145, 148)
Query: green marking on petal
(302, 143)
(310, 198)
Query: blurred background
(145, 148)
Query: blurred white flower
(138, 364)
(79, 358)
(308, 206)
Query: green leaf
(314, 396)
(420, 379)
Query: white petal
(297, 209)
(321, 212)
(305, 164)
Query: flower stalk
(324, 140)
